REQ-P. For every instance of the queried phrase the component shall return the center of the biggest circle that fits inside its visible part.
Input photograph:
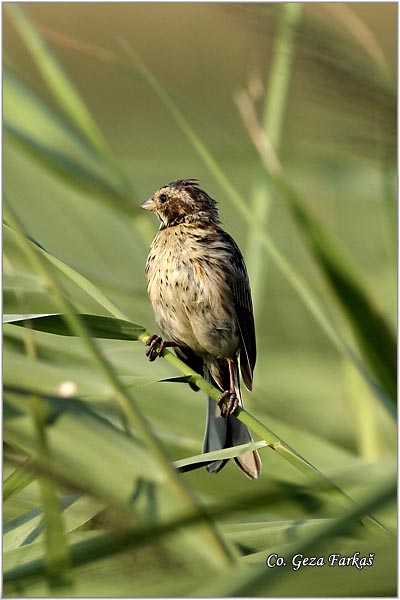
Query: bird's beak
(148, 204)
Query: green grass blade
(28, 528)
(57, 551)
(280, 73)
(17, 531)
(219, 454)
(58, 83)
(273, 118)
(97, 326)
(369, 442)
(375, 338)
(18, 480)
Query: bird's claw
(155, 345)
(228, 408)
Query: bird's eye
(163, 198)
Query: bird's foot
(228, 408)
(156, 346)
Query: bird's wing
(240, 287)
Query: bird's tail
(225, 432)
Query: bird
(199, 289)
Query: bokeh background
(321, 79)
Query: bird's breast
(188, 290)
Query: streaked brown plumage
(200, 292)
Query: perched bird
(200, 292)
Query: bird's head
(182, 201)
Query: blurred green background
(326, 84)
